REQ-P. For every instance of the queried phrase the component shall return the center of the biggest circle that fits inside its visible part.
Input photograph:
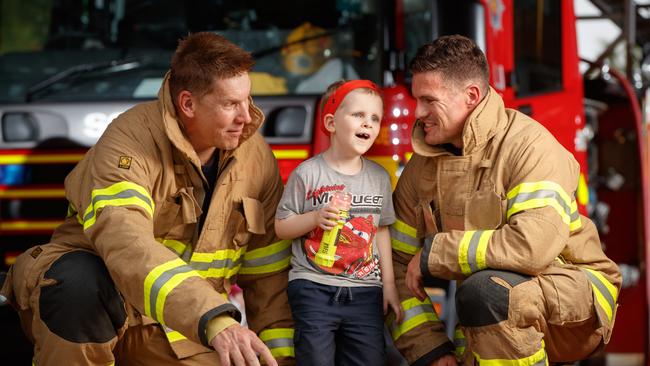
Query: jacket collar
(483, 123)
(175, 131)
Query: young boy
(335, 287)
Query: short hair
(337, 84)
(201, 58)
(458, 59)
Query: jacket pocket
(485, 210)
(248, 221)
(568, 295)
(426, 219)
(177, 216)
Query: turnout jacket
(136, 199)
(508, 203)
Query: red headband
(339, 94)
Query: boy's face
(355, 124)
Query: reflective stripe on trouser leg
(536, 359)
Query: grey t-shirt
(310, 187)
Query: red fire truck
(69, 67)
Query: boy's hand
(391, 299)
(327, 217)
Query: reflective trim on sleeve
(268, 259)
(416, 313)
(537, 359)
(224, 263)
(279, 341)
(533, 195)
(118, 194)
(403, 238)
(459, 342)
(472, 249)
(178, 247)
(606, 293)
(172, 335)
(160, 282)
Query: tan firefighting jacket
(135, 200)
(508, 203)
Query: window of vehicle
(425, 21)
(538, 46)
(78, 50)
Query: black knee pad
(480, 301)
(83, 306)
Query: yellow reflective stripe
(176, 246)
(528, 196)
(462, 252)
(291, 154)
(174, 336)
(576, 223)
(405, 228)
(606, 293)
(160, 282)
(166, 289)
(118, 194)
(459, 342)
(416, 313)
(537, 359)
(472, 250)
(223, 263)
(583, 190)
(279, 341)
(404, 238)
(271, 258)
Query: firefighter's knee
(481, 301)
(84, 305)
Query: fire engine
(69, 68)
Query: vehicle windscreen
(79, 50)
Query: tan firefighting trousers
(508, 318)
(71, 327)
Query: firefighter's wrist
(217, 324)
(424, 256)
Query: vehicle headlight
(19, 127)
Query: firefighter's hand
(327, 216)
(446, 360)
(414, 277)
(239, 346)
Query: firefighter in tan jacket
(488, 200)
(172, 206)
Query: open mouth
(363, 136)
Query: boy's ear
(328, 121)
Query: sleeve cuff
(424, 256)
(218, 324)
(225, 309)
(427, 359)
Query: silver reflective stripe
(460, 342)
(273, 258)
(601, 287)
(542, 193)
(575, 215)
(471, 251)
(404, 238)
(160, 282)
(128, 193)
(541, 362)
(279, 342)
(412, 313)
(216, 264)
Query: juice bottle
(325, 255)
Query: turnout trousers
(71, 311)
(512, 319)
